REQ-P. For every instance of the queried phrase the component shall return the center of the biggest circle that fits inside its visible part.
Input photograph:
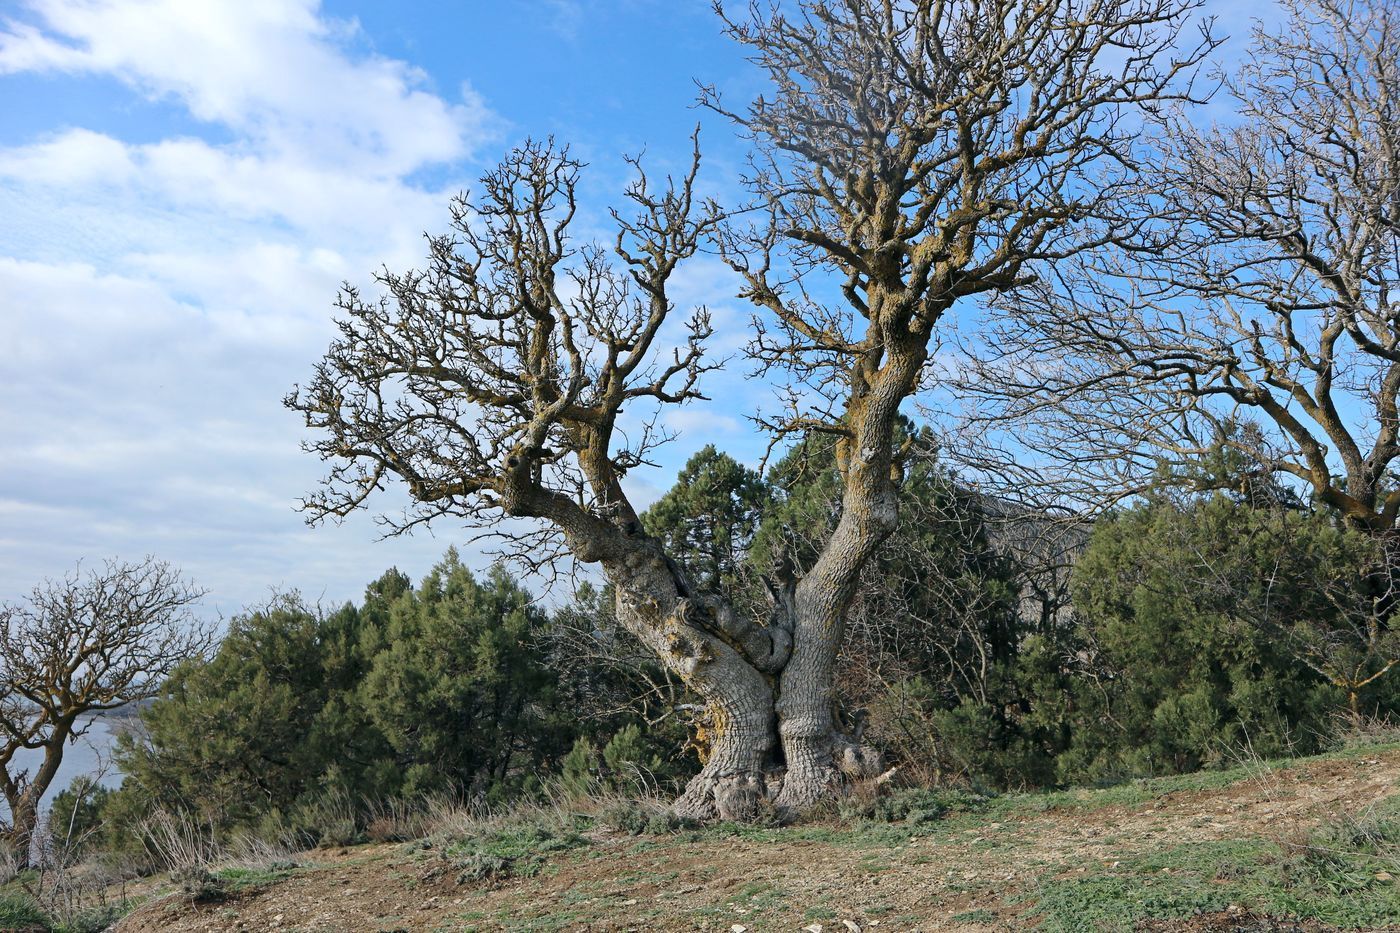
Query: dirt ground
(960, 879)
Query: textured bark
(23, 799)
(737, 695)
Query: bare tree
(84, 644)
(1259, 310)
(913, 155)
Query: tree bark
(24, 801)
(766, 690)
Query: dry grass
(1350, 731)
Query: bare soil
(962, 876)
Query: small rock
(738, 928)
(813, 928)
(852, 926)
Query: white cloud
(159, 297)
(75, 157)
(701, 423)
(273, 70)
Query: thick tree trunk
(25, 822)
(755, 692)
(774, 685)
(732, 783)
(653, 603)
(819, 755)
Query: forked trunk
(762, 683)
(771, 735)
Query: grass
(1344, 875)
(19, 911)
(747, 904)
(513, 849)
(242, 878)
(975, 916)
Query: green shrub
(625, 817)
(19, 912)
(579, 771)
(913, 805)
(519, 849)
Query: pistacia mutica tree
(82, 645)
(911, 156)
(1256, 315)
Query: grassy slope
(1316, 840)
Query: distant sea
(90, 755)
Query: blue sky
(183, 185)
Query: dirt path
(965, 874)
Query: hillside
(1307, 845)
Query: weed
(512, 849)
(199, 884)
(20, 912)
(242, 877)
(1337, 876)
(913, 806)
(94, 919)
(975, 916)
(631, 817)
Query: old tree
(910, 156)
(1253, 323)
(83, 645)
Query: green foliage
(19, 912)
(628, 759)
(1331, 878)
(244, 732)
(459, 690)
(94, 919)
(520, 849)
(302, 717)
(579, 770)
(76, 816)
(914, 806)
(625, 816)
(1201, 633)
(707, 520)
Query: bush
(19, 912)
(76, 816)
(913, 805)
(302, 716)
(519, 849)
(1196, 627)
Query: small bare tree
(81, 645)
(914, 154)
(1259, 310)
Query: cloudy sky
(183, 185)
